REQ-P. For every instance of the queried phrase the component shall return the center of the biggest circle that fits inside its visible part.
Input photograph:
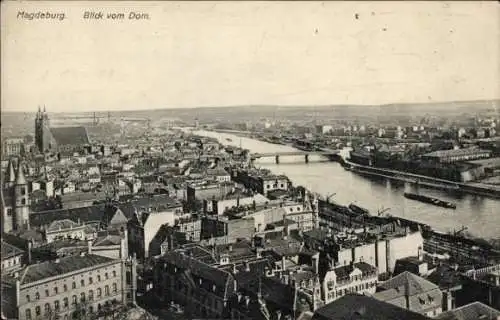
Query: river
(479, 214)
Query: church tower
(11, 176)
(21, 200)
(41, 127)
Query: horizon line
(496, 100)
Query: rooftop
(9, 251)
(359, 307)
(471, 311)
(69, 264)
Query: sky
(195, 54)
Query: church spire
(20, 178)
(11, 172)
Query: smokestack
(89, 246)
(30, 246)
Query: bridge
(323, 152)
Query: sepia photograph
(250, 160)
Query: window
(91, 295)
(82, 297)
(115, 289)
(91, 280)
(106, 290)
(82, 283)
(73, 285)
(28, 314)
(73, 302)
(114, 273)
(9, 213)
(99, 292)
(37, 296)
(91, 309)
(65, 287)
(56, 305)
(106, 275)
(47, 293)
(56, 290)
(38, 311)
(65, 301)
(28, 298)
(98, 278)
(47, 308)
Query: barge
(430, 200)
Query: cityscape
(252, 161)
(174, 218)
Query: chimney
(82, 254)
(57, 260)
(89, 246)
(30, 246)
(283, 263)
(420, 256)
(315, 260)
(230, 248)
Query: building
(359, 307)
(226, 230)
(471, 311)
(382, 253)
(65, 287)
(12, 258)
(13, 147)
(15, 200)
(323, 129)
(456, 155)
(357, 277)
(202, 289)
(236, 199)
(58, 140)
(409, 291)
(66, 228)
(262, 183)
(218, 174)
(148, 217)
(207, 191)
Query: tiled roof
(359, 307)
(62, 224)
(69, 264)
(9, 301)
(85, 214)
(220, 278)
(70, 135)
(471, 311)
(9, 251)
(412, 284)
(109, 240)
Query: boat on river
(430, 200)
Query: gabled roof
(9, 251)
(471, 311)
(411, 284)
(70, 135)
(222, 279)
(69, 264)
(359, 307)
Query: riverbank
(435, 183)
(478, 213)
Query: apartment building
(70, 286)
